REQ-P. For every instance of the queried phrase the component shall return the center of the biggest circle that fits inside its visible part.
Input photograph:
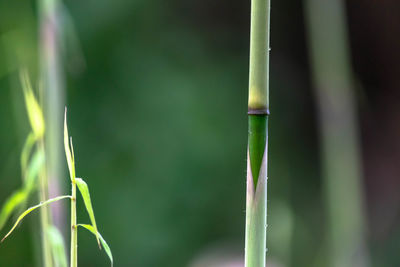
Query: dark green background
(158, 116)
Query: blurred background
(157, 99)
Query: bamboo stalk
(258, 111)
(332, 77)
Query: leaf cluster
(32, 158)
(31, 164)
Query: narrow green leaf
(35, 165)
(26, 151)
(10, 205)
(68, 154)
(72, 152)
(57, 245)
(103, 242)
(30, 173)
(35, 113)
(83, 188)
(32, 209)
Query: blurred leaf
(19, 197)
(68, 154)
(32, 172)
(103, 242)
(10, 205)
(35, 113)
(57, 245)
(26, 151)
(31, 209)
(83, 188)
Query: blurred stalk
(53, 98)
(45, 215)
(258, 110)
(332, 77)
(51, 75)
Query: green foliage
(35, 113)
(10, 205)
(30, 168)
(26, 151)
(57, 245)
(103, 242)
(30, 165)
(69, 155)
(35, 165)
(32, 209)
(84, 189)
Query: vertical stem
(258, 111)
(74, 229)
(44, 215)
(332, 77)
(53, 98)
(51, 76)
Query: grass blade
(68, 154)
(57, 245)
(84, 189)
(10, 205)
(26, 151)
(35, 113)
(35, 165)
(20, 196)
(32, 209)
(103, 242)
(72, 153)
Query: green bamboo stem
(74, 229)
(332, 77)
(258, 111)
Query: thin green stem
(74, 229)
(258, 110)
